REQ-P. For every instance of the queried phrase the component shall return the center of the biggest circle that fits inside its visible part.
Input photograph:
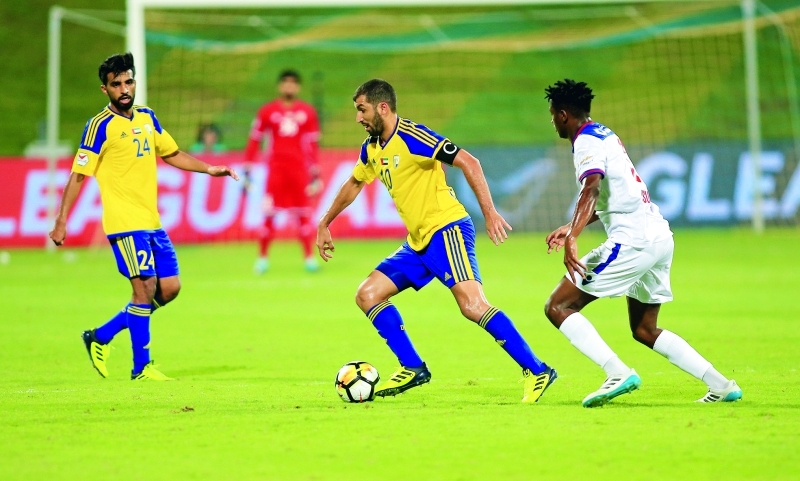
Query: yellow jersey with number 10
(120, 152)
(406, 165)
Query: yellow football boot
(536, 384)
(98, 353)
(404, 379)
(150, 373)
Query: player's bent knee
(368, 296)
(473, 310)
(171, 294)
(645, 336)
(553, 311)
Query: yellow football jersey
(414, 179)
(120, 152)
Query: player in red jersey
(291, 129)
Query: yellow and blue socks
(386, 319)
(105, 333)
(139, 326)
(502, 329)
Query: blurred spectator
(209, 140)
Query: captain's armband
(447, 152)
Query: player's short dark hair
(116, 64)
(289, 73)
(377, 91)
(567, 94)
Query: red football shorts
(287, 191)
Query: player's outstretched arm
(495, 224)
(71, 190)
(345, 196)
(184, 161)
(583, 215)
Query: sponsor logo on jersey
(82, 159)
(137, 131)
(396, 161)
(447, 276)
(500, 342)
(123, 135)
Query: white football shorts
(613, 270)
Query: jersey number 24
(141, 149)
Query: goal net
(668, 79)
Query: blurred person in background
(290, 129)
(209, 140)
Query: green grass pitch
(256, 359)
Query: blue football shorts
(144, 253)
(449, 257)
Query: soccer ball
(356, 381)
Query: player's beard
(119, 106)
(375, 128)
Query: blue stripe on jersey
(597, 130)
(364, 158)
(416, 146)
(94, 136)
(152, 115)
(419, 139)
(425, 130)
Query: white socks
(586, 339)
(680, 353)
(714, 379)
(582, 334)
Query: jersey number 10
(386, 178)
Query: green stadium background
(669, 79)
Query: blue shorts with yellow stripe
(144, 253)
(449, 257)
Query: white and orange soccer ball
(356, 381)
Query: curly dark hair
(567, 94)
(116, 64)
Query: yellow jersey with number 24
(120, 152)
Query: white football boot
(614, 386)
(730, 393)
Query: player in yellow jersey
(407, 158)
(119, 148)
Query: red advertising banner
(194, 207)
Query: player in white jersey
(635, 260)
